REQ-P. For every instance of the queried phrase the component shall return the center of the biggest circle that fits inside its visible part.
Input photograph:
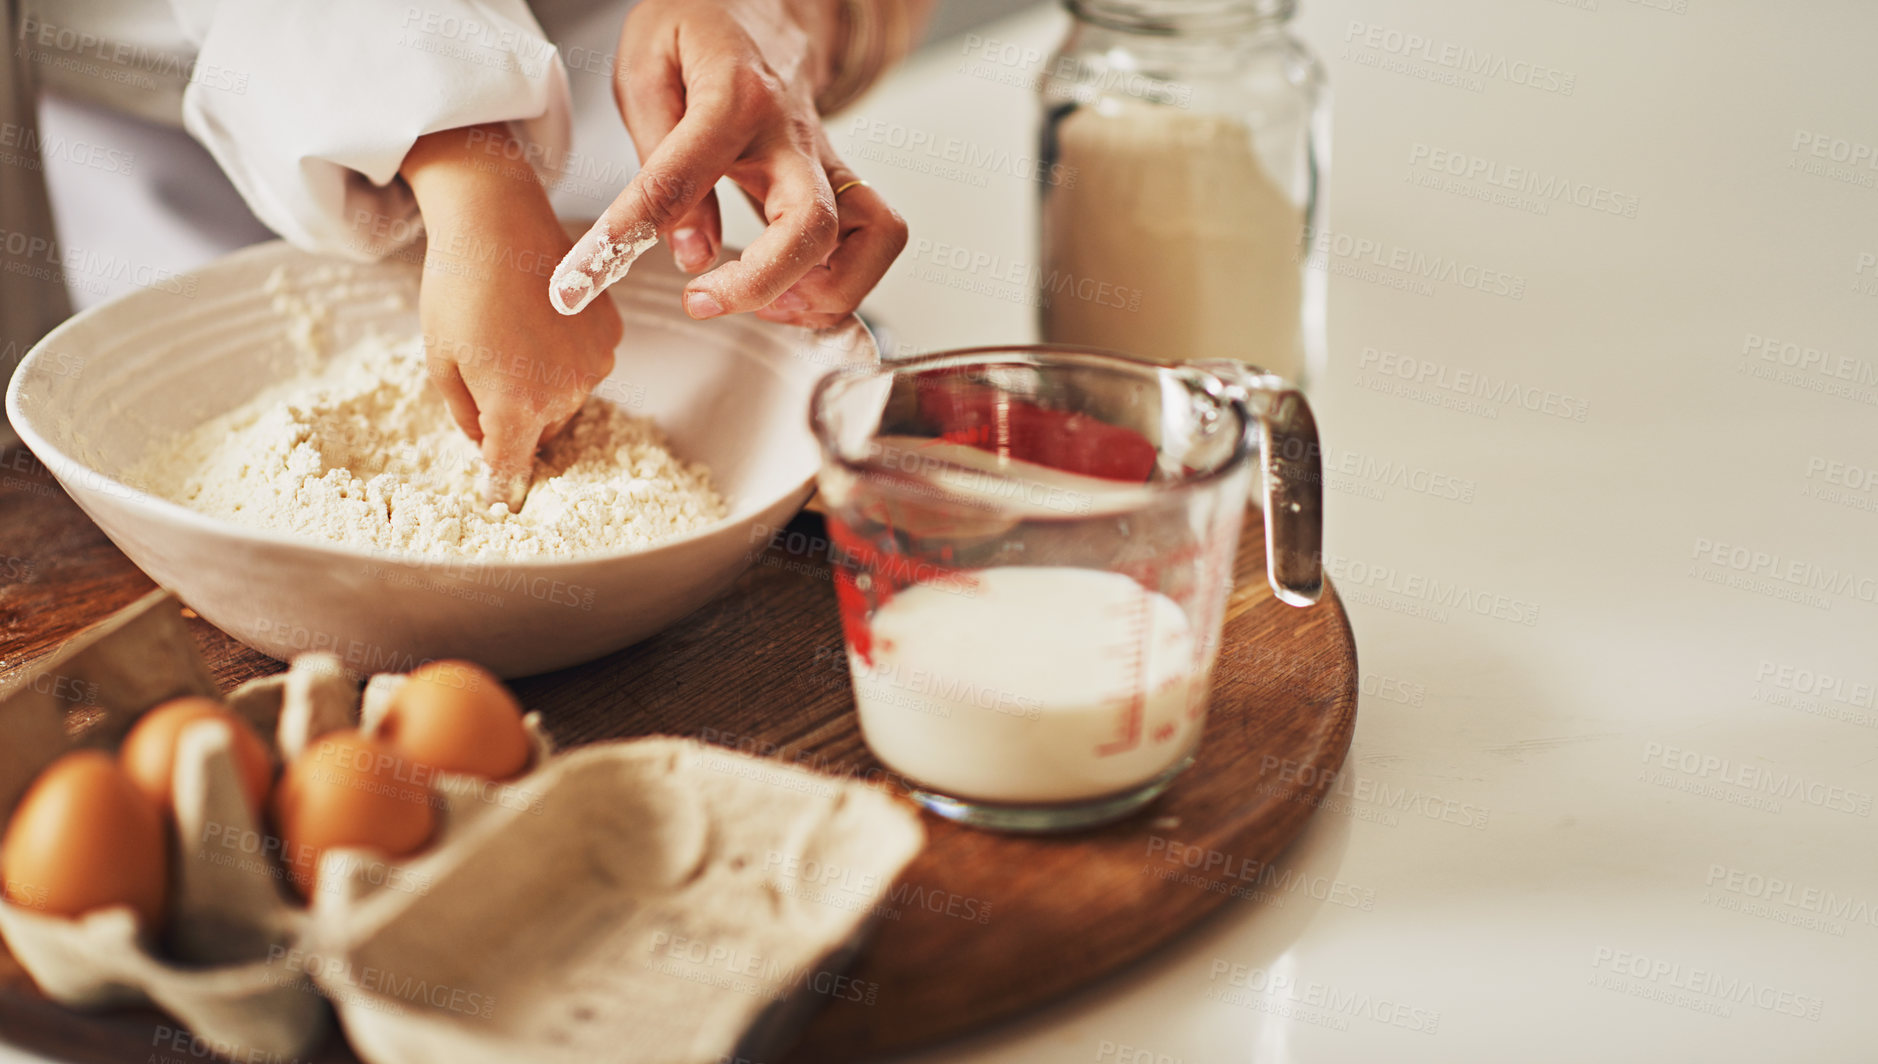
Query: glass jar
(1187, 142)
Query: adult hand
(726, 88)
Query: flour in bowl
(364, 453)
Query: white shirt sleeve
(310, 107)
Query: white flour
(364, 453)
(578, 280)
(1173, 242)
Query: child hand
(512, 369)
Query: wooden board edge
(1296, 808)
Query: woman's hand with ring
(726, 88)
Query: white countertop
(1644, 760)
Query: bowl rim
(68, 470)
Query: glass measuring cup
(1034, 547)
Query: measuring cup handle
(1294, 478)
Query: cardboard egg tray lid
(643, 909)
(630, 901)
(90, 691)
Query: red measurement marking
(848, 595)
(853, 606)
(887, 572)
(971, 436)
(1163, 733)
(1136, 709)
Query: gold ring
(851, 184)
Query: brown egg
(347, 790)
(83, 838)
(149, 751)
(453, 716)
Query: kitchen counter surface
(1608, 545)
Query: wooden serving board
(981, 926)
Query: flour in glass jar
(364, 453)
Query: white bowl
(100, 391)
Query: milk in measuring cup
(1030, 684)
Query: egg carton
(629, 901)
